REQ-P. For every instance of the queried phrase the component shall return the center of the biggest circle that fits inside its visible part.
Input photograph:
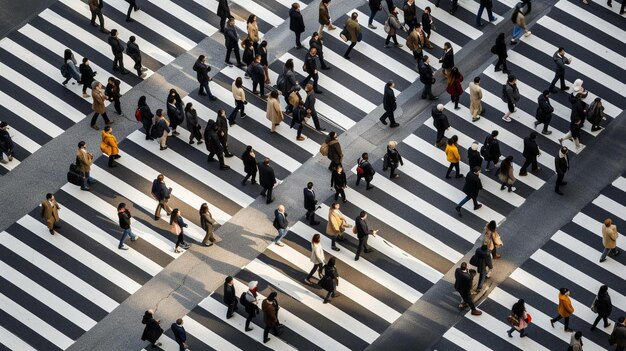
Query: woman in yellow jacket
(565, 309)
(109, 145)
(336, 225)
(452, 154)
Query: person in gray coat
(394, 25)
(193, 126)
(559, 73)
(231, 42)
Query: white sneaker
(527, 33)
(280, 244)
(506, 119)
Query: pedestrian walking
(222, 131)
(69, 70)
(309, 105)
(264, 63)
(335, 154)
(118, 52)
(427, 21)
(330, 281)
(257, 74)
(339, 183)
(426, 77)
(393, 24)
(180, 335)
(310, 67)
(565, 309)
(145, 116)
(202, 74)
(231, 41)
(409, 10)
(95, 6)
(455, 78)
(281, 224)
(98, 96)
(362, 232)
(483, 263)
(267, 180)
(223, 12)
(249, 165)
(253, 32)
(473, 156)
(248, 54)
(124, 217)
(162, 194)
(175, 111)
(519, 25)
(84, 160)
(324, 17)
(270, 316)
(299, 119)
(353, 29)
(287, 83)
(576, 341)
(602, 306)
(394, 159)
(240, 101)
(453, 156)
(476, 96)
(440, 121)
(492, 151)
(375, 6)
(471, 188)
(389, 105)
(208, 224)
(132, 50)
(618, 336)
(609, 239)
(177, 225)
(230, 297)
(273, 112)
(161, 129)
(310, 203)
(317, 258)
(511, 96)
(447, 59)
(506, 174)
(365, 170)
(109, 146)
(561, 165)
(574, 134)
(544, 112)
(492, 239)
(485, 4)
(336, 226)
(86, 75)
(415, 43)
(579, 108)
(499, 49)
(559, 73)
(530, 153)
(296, 23)
(193, 126)
(463, 282)
(152, 331)
(50, 213)
(595, 114)
(317, 43)
(112, 92)
(213, 145)
(132, 6)
(251, 303)
(519, 319)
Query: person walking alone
(109, 146)
(180, 335)
(389, 104)
(132, 5)
(393, 23)
(335, 154)
(354, 33)
(249, 165)
(519, 25)
(484, 265)
(531, 152)
(310, 65)
(132, 50)
(84, 160)
(152, 331)
(364, 170)
(317, 258)
(270, 316)
(310, 203)
(339, 183)
(602, 306)
(472, 187)
(485, 4)
(281, 224)
(193, 126)
(240, 101)
(561, 165)
(426, 77)
(544, 112)
(98, 96)
(161, 129)
(70, 68)
(222, 131)
(609, 239)
(202, 74)
(499, 49)
(375, 6)
(251, 303)
(565, 309)
(223, 12)
(324, 17)
(455, 78)
(146, 116)
(492, 239)
(162, 194)
(559, 73)
(124, 218)
(394, 159)
(410, 13)
(231, 42)
(576, 341)
(506, 175)
(296, 23)
(267, 180)
(463, 282)
(95, 6)
(447, 60)
(213, 145)
(330, 281)
(493, 151)
(86, 76)
(511, 96)
(474, 159)
(208, 225)
(336, 226)
(176, 227)
(273, 112)
(518, 312)
(230, 297)
(362, 233)
(453, 156)
(118, 52)
(50, 213)
(476, 96)
(440, 120)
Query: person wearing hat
(394, 158)
(561, 164)
(252, 303)
(6, 143)
(270, 316)
(530, 153)
(565, 309)
(440, 120)
(544, 112)
(559, 74)
(579, 89)
(389, 104)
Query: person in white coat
(317, 257)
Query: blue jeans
(517, 31)
(466, 199)
(127, 232)
(481, 280)
(205, 87)
(372, 15)
(281, 233)
(480, 14)
(87, 180)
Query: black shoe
(496, 69)
(94, 24)
(394, 125)
(563, 183)
(369, 187)
(225, 168)
(477, 207)
(85, 189)
(162, 147)
(325, 67)
(248, 329)
(105, 31)
(433, 98)
(212, 98)
(202, 94)
(125, 71)
(130, 20)
(368, 250)
(559, 192)
(317, 223)
(228, 155)
(459, 176)
(266, 340)
(243, 182)
(382, 121)
(565, 88)
(52, 231)
(553, 91)
(319, 92)
(269, 201)
(335, 248)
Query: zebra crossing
(570, 259)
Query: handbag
(344, 34)
(594, 308)
(513, 320)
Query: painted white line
(620, 183)
(590, 224)
(185, 16)
(207, 336)
(13, 342)
(444, 17)
(261, 12)
(589, 17)
(464, 341)
(610, 206)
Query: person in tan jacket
(609, 239)
(416, 41)
(476, 96)
(274, 113)
(109, 146)
(492, 239)
(50, 212)
(336, 225)
(354, 29)
(97, 93)
(253, 32)
(84, 160)
(324, 17)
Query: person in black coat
(132, 5)
(544, 112)
(330, 280)
(500, 50)
(427, 24)
(483, 261)
(213, 144)
(223, 12)
(230, 297)
(317, 43)
(112, 92)
(394, 159)
(471, 188)
(174, 113)
(561, 165)
(362, 232)
(87, 75)
(231, 42)
(132, 50)
(367, 171)
(153, 331)
(485, 4)
(579, 108)
(202, 74)
(222, 131)
(6, 143)
(257, 74)
(249, 165)
(296, 22)
(118, 52)
(124, 216)
(180, 335)
(493, 150)
(339, 182)
(161, 193)
(389, 104)
(310, 203)
(473, 156)
(280, 223)
(463, 281)
(267, 179)
(310, 65)
(375, 6)
(531, 152)
(426, 77)
(440, 121)
(603, 307)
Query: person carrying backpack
(249, 301)
(391, 26)
(365, 170)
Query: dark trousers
(501, 62)
(315, 77)
(204, 88)
(86, 84)
(528, 162)
(419, 56)
(481, 8)
(239, 106)
(392, 169)
(220, 158)
(252, 177)
(352, 44)
(428, 91)
(223, 23)
(455, 99)
(367, 179)
(456, 167)
(261, 85)
(604, 318)
(94, 118)
(559, 180)
(180, 241)
(316, 267)
(388, 114)
(310, 215)
(138, 66)
(521, 331)
(466, 199)
(298, 43)
(321, 57)
(118, 61)
(339, 191)
(391, 37)
(97, 13)
(132, 6)
(117, 105)
(147, 125)
(372, 15)
(235, 50)
(557, 77)
(249, 319)
(267, 192)
(467, 298)
(267, 329)
(231, 308)
(316, 120)
(362, 246)
(565, 320)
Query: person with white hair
(393, 159)
(250, 302)
(440, 120)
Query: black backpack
(242, 299)
(484, 150)
(505, 97)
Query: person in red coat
(454, 86)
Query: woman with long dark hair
(518, 312)
(330, 280)
(176, 227)
(454, 86)
(506, 174)
(603, 307)
(146, 116)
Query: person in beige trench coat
(337, 224)
(97, 93)
(274, 113)
(609, 239)
(476, 96)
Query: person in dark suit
(440, 120)
(222, 131)
(493, 151)
(118, 53)
(296, 22)
(310, 65)
(559, 73)
(317, 43)
(174, 113)
(544, 112)
(339, 182)
(257, 74)
(180, 335)
(484, 261)
(561, 165)
(153, 331)
(310, 203)
(426, 77)
(87, 75)
(463, 284)
(531, 152)
(231, 42)
(367, 171)
(362, 232)
(230, 297)
(202, 74)
(132, 5)
(95, 6)
(161, 193)
(223, 12)
(213, 144)
(50, 212)
(267, 179)
(472, 187)
(389, 104)
(132, 50)
(249, 165)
